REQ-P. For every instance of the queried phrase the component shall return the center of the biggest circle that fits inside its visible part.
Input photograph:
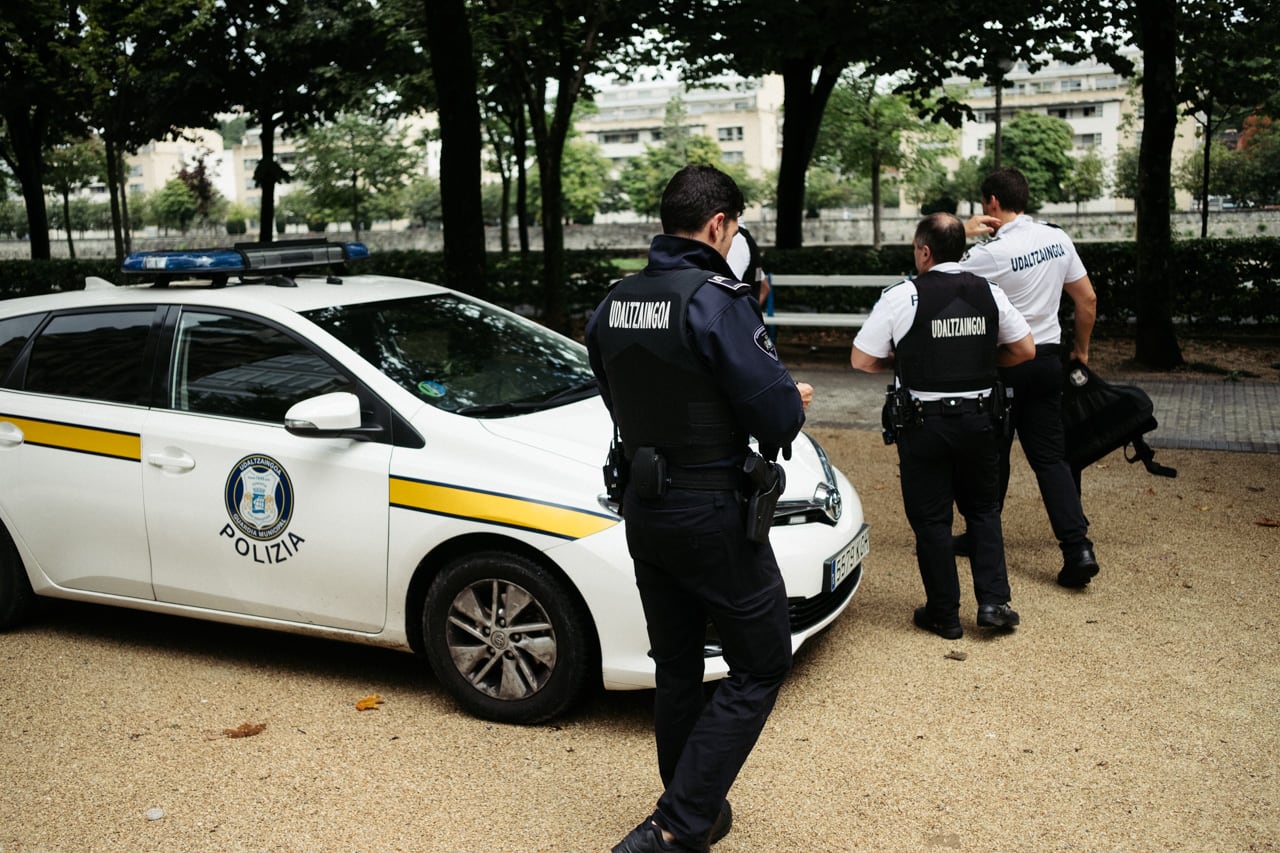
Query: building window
(622, 137)
(1087, 140)
(1072, 85)
(729, 134)
(733, 157)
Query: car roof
(310, 292)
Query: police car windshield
(462, 356)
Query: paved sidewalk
(1199, 414)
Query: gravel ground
(1139, 714)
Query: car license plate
(839, 566)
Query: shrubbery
(1215, 283)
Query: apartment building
(1103, 109)
(744, 116)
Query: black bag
(1099, 417)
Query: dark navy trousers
(954, 459)
(1037, 419)
(693, 562)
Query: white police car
(357, 457)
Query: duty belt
(953, 406)
(712, 479)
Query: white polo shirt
(895, 311)
(1030, 261)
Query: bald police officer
(1034, 263)
(688, 373)
(943, 335)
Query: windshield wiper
(513, 407)
(577, 391)
(570, 393)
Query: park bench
(820, 318)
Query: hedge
(1214, 283)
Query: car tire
(17, 601)
(525, 666)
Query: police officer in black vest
(688, 372)
(943, 335)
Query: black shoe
(960, 544)
(925, 621)
(645, 838)
(997, 616)
(723, 823)
(1078, 569)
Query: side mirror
(335, 415)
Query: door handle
(173, 459)
(10, 434)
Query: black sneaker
(1078, 569)
(997, 616)
(723, 823)
(948, 631)
(645, 838)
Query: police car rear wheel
(16, 598)
(505, 638)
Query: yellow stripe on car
(506, 510)
(101, 442)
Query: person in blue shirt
(690, 375)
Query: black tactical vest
(662, 394)
(951, 345)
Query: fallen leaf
(246, 730)
(1268, 522)
(955, 655)
(369, 703)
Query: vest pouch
(649, 473)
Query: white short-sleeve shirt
(1030, 261)
(895, 311)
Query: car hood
(581, 431)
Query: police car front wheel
(506, 639)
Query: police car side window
(241, 367)
(14, 333)
(97, 355)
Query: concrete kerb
(1194, 414)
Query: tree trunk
(126, 224)
(113, 191)
(554, 311)
(875, 199)
(461, 144)
(1204, 173)
(804, 103)
(66, 223)
(1156, 343)
(27, 152)
(265, 175)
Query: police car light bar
(246, 257)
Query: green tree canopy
(1037, 145)
(173, 206)
(1087, 180)
(71, 168)
(357, 164)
